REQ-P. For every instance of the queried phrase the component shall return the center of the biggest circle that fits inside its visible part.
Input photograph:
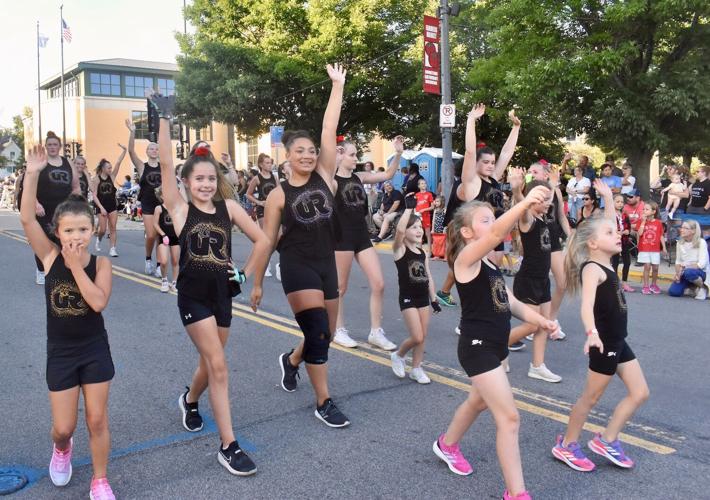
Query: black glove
(435, 305)
(164, 104)
(410, 202)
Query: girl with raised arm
(103, 188)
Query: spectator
(577, 187)
(691, 262)
(634, 210)
(700, 193)
(628, 181)
(611, 180)
(392, 205)
(411, 181)
(587, 168)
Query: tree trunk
(687, 160)
(640, 159)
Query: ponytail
(578, 250)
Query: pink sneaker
(60, 469)
(628, 289)
(453, 457)
(572, 455)
(101, 490)
(655, 290)
(646, 290)
(520, 496)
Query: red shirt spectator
(424, 200)
(634, 209)
(650, 240)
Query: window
(105, 84)
(204, 133)
(71, 89)
(140, 120)
(137, 85)
(253, 150)
(166, 86)
(12, 155)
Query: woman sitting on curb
(691, 262)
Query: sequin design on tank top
(84, 185)
(311, 206)
(207, 246)
(59, 177)
(66, 300)
(545, 240)
(105, 187)
(353, 195)
(417, 271)
(499, 295)
(152, 179)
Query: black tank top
(412, 275)
(308, 219)
(84, 184)
(166, 224)
(351, 203)
(205, 251)
(553, 222)
(149, 181)
(54, 185)
(453, 204)
(106, 191)
(485, 309)
(490, 193)
(536, 250)
(610, 310)
(70, 320)
(265, 186)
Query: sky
(101, 29)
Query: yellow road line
(267, 319)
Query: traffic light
(153, 122)
(77, 149)
(180, 151)
(67, 150)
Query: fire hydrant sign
(447, 116)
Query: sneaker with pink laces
(101, 490)
(646, 290)
(60, 469)
(655, 290)
(520, 496)
(453, 457)
(628, 288)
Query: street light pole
(447, 178)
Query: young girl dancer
(416, 290)
(604, 314)
(103, 187)
(77, 289)
(623, 225)
(259, 188)
(149, 178)
(84, 181)
(486, 308)
(204, 229)
(304, 207)
(354, 240)
(168, 246)
(425, 206)
(438, 238)
(651, 243)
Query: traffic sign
(447, 116)
(276, 133)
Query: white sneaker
(398, 365)
(278, 272)
(543, 373)
(97, 245)
(342, 338)
(268, 274)
(173, 286)
(164, 286)
(39, 278)
(701, 294)
(530, 337)
(148, 267)
(112, 252)
(458, 330)
(560, 334)
(158, 273)
(419, 375)
(378, 339)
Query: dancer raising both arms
(354, 239)
(304, 206)
(149, 178)
(208, 280)
(77, 289)
(486, 307)
(103, 187)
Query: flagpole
(61, 39)
(39, 93)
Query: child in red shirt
(651, 242)
(425, 205)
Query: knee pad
(316, 334)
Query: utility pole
(447, 164)
(61, 41)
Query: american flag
(66, 31)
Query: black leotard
(106, 193)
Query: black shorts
(613, 355)
(353, 241)
(480, 355)
(148, 206)
(555, 243)
(173, 242)
(408, 301)
(259, 212)
(193, 310)
(309, 273)
(70, 366)
(531, 290)
(110, 206)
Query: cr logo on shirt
(353, 195)
(311, 206)
(153, 179)
(66, 300)
(208, 242)
(59, 177)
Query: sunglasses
(586, 198)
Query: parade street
(387, 451)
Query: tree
(634, 74)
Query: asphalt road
(386, 452)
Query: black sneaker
(288, 373)
(236, 461)
(516, 346)
(330, 415)
(191, 419)
(376, 239)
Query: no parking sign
(447, 116)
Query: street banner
(432, 62)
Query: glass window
(105, 84)
(140, 120)
(137, 85)
(253, 150)
(166, 86)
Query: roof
(410, 154)
(132, 65)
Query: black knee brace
(316, 333)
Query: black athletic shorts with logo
(301, 273)
(407, 301)
(531, 290)
(75, 365)
(614, 354)
(193, 310)
(479, 356)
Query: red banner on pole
(432, 62)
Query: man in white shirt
(577, 187)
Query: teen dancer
(84, 181)
(304, 207)
(486, 308)
(354, 242)
(168, 247)
(259, 188)
(204, 228)
(77, 289)
(103, 188)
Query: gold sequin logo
(105, 187)
(66, 300)
(499, 295)
(545, 241)
(207, 243)
(417, 271)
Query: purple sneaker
(611, 451)
(453, 457)
(520, 496)
(572, 455)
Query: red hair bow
(202, 151)
(480, 145)
(340, 138)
